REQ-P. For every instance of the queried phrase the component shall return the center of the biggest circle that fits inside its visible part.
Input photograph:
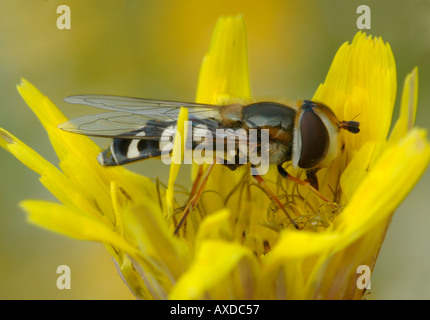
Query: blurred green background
(153, 49)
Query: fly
(306, 135)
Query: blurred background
(154, 49)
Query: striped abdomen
(151, 140)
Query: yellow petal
(225, 66)
(177, 157)
(73, 223)
(133, 279)
(387, 184)
(285, 266)
(328, 260)
(118, 221)
(77, 156)
(356, 171)
(336, 270)
(224, 77)
(50, 117)
(52, 178)
(408, 107)
(26, 155)
(361, 85)
(210, 274)
(147, 227)
(215, 226)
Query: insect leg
(306, 184)
(196, 192)
(266, 189)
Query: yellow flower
(235, 243)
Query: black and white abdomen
(152, 140)
(124, 150)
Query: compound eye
(314, 139)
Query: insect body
(306, 136)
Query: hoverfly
(306, 136)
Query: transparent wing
(169, 109)
(131, 114)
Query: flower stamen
(267, 190)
